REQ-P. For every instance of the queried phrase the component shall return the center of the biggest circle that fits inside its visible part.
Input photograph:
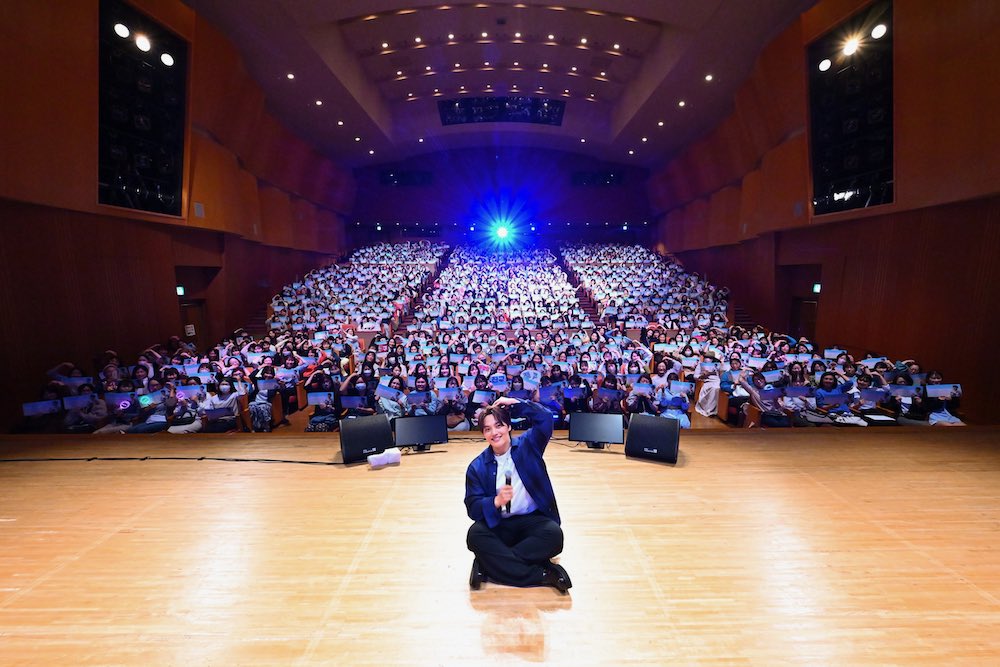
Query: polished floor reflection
(824, 547)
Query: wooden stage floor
(807, 547)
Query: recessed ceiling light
(566, 91)
(540, 88)
(583, 40)
(849, 48)
(340, 123)
(167, 59)
(573, 68)
(545, 65)
(385, 45)
(143, 43)
(485, 35)
(604, 73)
(592, 94)
(645, 139)
(417, 40)
(878, 32)
(122, 30)
(681, 103)
(631, 152)
(517, 35)
(462, 87)
(371, 152)
(436, 90)
(708, 77)
(420, 140)
(825, 64)
(319, 103)
(428, 68)
(409, 94)
(517, 64)
(618, 47)
(399, 72)
(357, 138)
(583, 141)
(660, 123)
(457, 65)
(290, 76)
(487, 63)
(551, 37)
(451, 35)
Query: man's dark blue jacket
(526, 450)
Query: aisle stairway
(419, 301)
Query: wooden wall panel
(217, 185)
(304, 233)
(276, 216)
(781, 80)
(785, 172)
(724, 216)
(751, 192)
(48, 117)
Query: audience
(491, 324)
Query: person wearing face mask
(355, 385)
(225, 399)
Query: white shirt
(521, 503)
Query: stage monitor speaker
(653, 438)
(362, 436)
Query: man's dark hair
(501, 414)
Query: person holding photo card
(829, 391)
(941, 409)
(392, 407)
(509, 497)
(707, 372)
(909, 409)
(454, 408)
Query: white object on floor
(390, 456)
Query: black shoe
(555, 575)
(476, 576)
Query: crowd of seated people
(477, 337)
(374, 290)
(633, 286)
(517, 289)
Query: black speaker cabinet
(653, 438)
(363, 436)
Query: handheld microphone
(508, 484)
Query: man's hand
(505, 401)
(504, 494)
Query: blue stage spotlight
(502, 232)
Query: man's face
(496, 434)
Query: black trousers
(515, 552)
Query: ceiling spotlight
(143, 43)
(878, 32)
(645, 139)
(436, 90)
(319, 103)
(371, 152)
(583, 40)
(290, 76)
(420, 140)
(545, 65)
(417, 40)
(660, 124)
(708, 77)
(618, 47)
(681, 103)
(340, 123)
(399, 72)
(566, 91)
(409, 94)
(540, 87)
(604, 73)
(573, 68)
(517, 64)
(357, 138)
(122, 30)
(457, 65)
(825, 64)
(851, 46)
(583, 141)
(551, 37)
(428, 68)
(486, 64)
(461, 87)
(517, 35)
(167, 59)
(625, 227)
(485, 35)
(451, 35)
(631, 152)
(385, 45)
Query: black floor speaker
(653, 438)
(363, 436)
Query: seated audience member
(673, 404)
(225, 401)
(941, 410)
(642, 401)
(186, 418)
(840, 412)
(771, 414)
(454, 408)
(909, 410)
(393, 407)
(88, 418)
(154, 418)
(707, 372)
(324, 416)
(260, 406)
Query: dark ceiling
(641, 79)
